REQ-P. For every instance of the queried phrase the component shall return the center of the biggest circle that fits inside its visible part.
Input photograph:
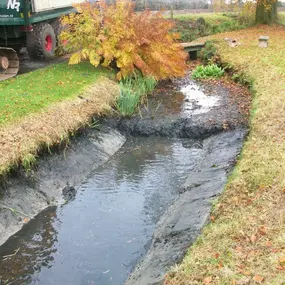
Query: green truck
(33, 24)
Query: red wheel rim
(48, 43)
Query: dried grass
(245, 242)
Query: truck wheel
(41, 42)
(58, 28)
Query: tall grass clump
(208, 52)
(133, 90)
(127, 101)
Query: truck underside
(9, 63)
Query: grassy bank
(214, 23)
(281, 18)
(244, 242)
(31, 92)
(44, 107)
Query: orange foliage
(105, 33)
(266, 3)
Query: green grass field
(31, 92)
(211, 18)
(281, 18)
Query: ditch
(122, 204)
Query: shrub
(208, 52)
(104, 34)
(208, 71)
(191, 29)
(247, 13)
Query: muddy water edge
(123, 203)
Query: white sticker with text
(14, 5)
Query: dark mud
(182, 222)
(186, 109)
(25, 195)
(28, 65)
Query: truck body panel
(33, 24)
(11, 12)
(45, 5)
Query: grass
(244, 242)
(31, 92)
(281, 18)
(210, 18)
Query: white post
(263, 41)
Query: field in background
(190, 29)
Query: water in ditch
(98, 237)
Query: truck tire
(58, 28)
(41, 42)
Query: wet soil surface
(133, 212)
(182, 222)
(28, 65)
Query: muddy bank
(182, 222)
(55, 178)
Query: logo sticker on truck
(14, 5)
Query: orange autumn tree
(106, 34)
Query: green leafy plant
(127, 101)
(208, 71)
(146, 84)
(132, 92)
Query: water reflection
(35, 248)
(184, 98)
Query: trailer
(33, 24)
